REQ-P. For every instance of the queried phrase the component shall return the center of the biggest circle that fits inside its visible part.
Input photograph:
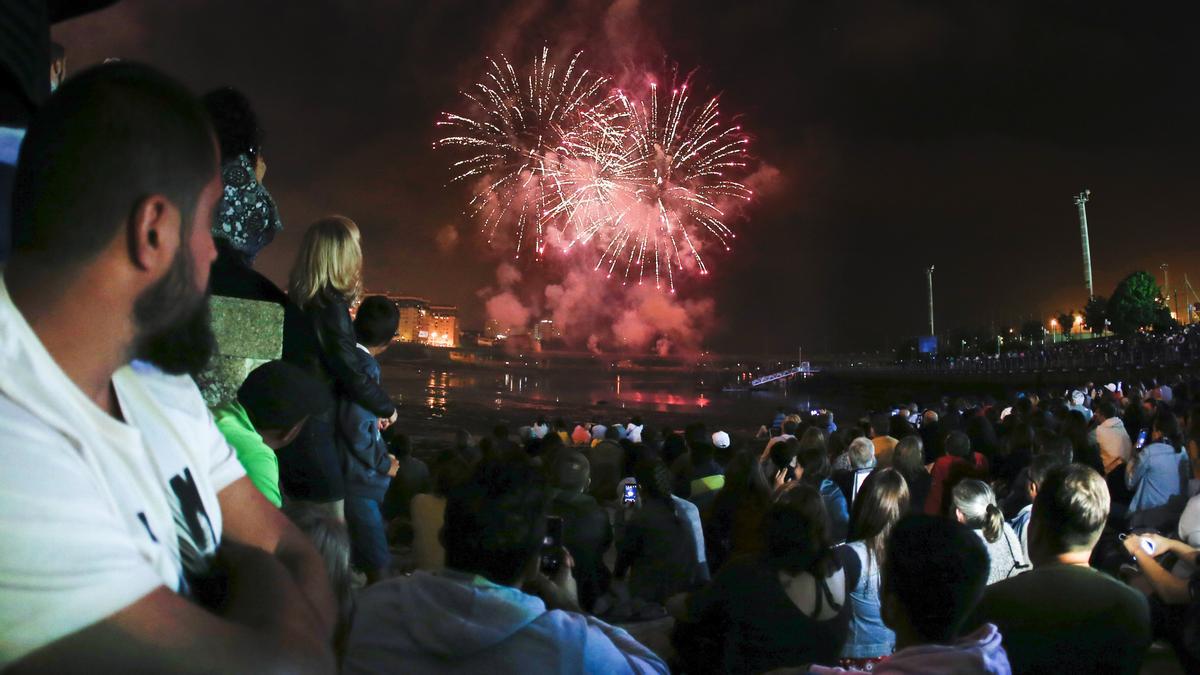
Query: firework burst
(512, 146)
(640, 182)
(662, 186)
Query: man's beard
(174, 323)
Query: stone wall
(249, 333)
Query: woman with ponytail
(975, 506)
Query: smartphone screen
(1141, 439)
(552, 558)
(630, 496)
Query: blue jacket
(364, 453)
(1156, 474)
(458, 623)
(835, 507)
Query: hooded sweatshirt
(977, 654)
(452, 622)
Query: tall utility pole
(1166, 285)
(1081, 201)
(929, 280)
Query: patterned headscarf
(247, 216)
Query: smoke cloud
(593, 310)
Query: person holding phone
(1173, 599)
(1158, 474)
(494, 608)
(659, 549)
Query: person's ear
(153, 233)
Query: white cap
(720, 439)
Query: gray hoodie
(451, 622)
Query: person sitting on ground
(706, 474)
(791, 424)
(634, 430)
(606, 459)
(862, 462)
(1158, 475)
(814, 470)
(657, 544)
(271, 407)
(429, 510)
(581, 436)
(1064, 616)
(975, 506)
(329, 536)
(788, 606)
(598, 432)
(909, 459)
(934, 572)
(882, 443)
(367, 465)
(733, 524)
(540, 427)
(1111, 436)
(123, 507)
(493, 609)
(958, 463)
(881, 503)
(587, 530)
(411, 479)
(1037, 473)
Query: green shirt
(259, 461)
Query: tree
(1094, 314)
(1065, 322)
(1138, 303)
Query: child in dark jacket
(367, 465)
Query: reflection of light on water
(435, 393)
(618, 386)
(702, 401)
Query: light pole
(929, 281)
(1081, 201)
(1166, 285)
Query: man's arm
(249, 519)
(262, 630)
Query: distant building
(423, 323)
(545, 330)
(414, 313)
(442, 326)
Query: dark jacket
(587, 534)
(311, 467)
(364, 453)
(660, 547)
(334, 356)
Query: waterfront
(439, 399)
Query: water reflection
(569, 392)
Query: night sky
(905, 133)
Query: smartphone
(630, 495)
(814, 413)
(552, 546)
(1141, 439)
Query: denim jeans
(368, 540)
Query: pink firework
(511, 144)
(653, 184)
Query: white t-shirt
(96, 513)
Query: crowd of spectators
(144, 532)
